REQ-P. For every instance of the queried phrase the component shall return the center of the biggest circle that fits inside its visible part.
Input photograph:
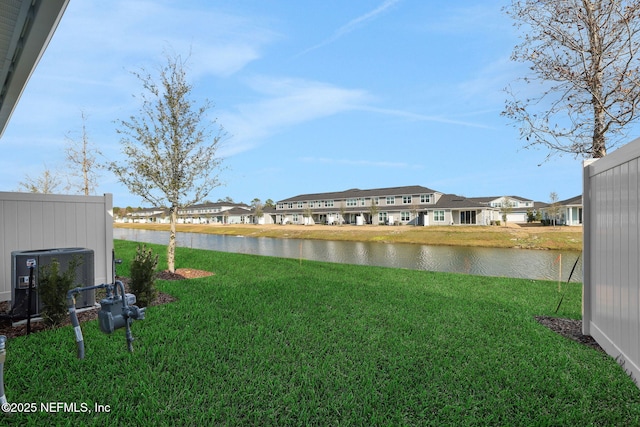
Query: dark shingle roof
(577, 200)
(355, 192)
(452, 201)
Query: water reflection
(521, 263)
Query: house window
(468, 217)
(406, 200)
(280, 205)
(351, 202)
(290, 205)
(382, 217)
(328, 203)
(362, 202)
(391, 200)
(425, 198)
(312, 204)
(295, 217)
(405, 216)
(300, 205)
(438, 216)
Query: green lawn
(269, 341)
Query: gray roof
(453, 201)
(488, 199)
(577, 200)
(356, 192)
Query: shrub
(143, 276)
(52, 289)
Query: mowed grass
(269, 341)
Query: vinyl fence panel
(611, 296)
(45, 221)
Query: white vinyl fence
(44, 221)
(611, 250)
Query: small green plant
(143, 276)
(53, 286)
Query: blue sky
(315, 96)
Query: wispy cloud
(365, 163)
(286, 102)
(424, 118)
(353, 24)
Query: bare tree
(81, 158)
(554, 207)
(584, 56)
(169, 148)
(47, 182)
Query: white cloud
(425, 118)
(366, 163)
(353, 24)
(286, 103)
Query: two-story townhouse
(215, 213)
(148, 215)
(394, 205)
(515, 207)
(414, 205)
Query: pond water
(519, 263)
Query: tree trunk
(171, 249)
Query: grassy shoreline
(272, 341)
(512, 236)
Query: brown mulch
(10, 331)
(569, 328)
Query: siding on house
(518, 206)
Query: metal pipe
(3, 354)
(71, 305)
(29, 299)
(125, 310)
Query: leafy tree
(269, 203)
(81, 157)
(258, 208)
(583, 55)
(169, 147)
(373, 210)
(506, 207)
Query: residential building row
(408, 205)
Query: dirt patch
(183, 273)
(569, 328)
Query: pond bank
(511, 236)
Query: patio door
(467, 217)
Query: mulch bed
(10, 331)
(569, 328)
